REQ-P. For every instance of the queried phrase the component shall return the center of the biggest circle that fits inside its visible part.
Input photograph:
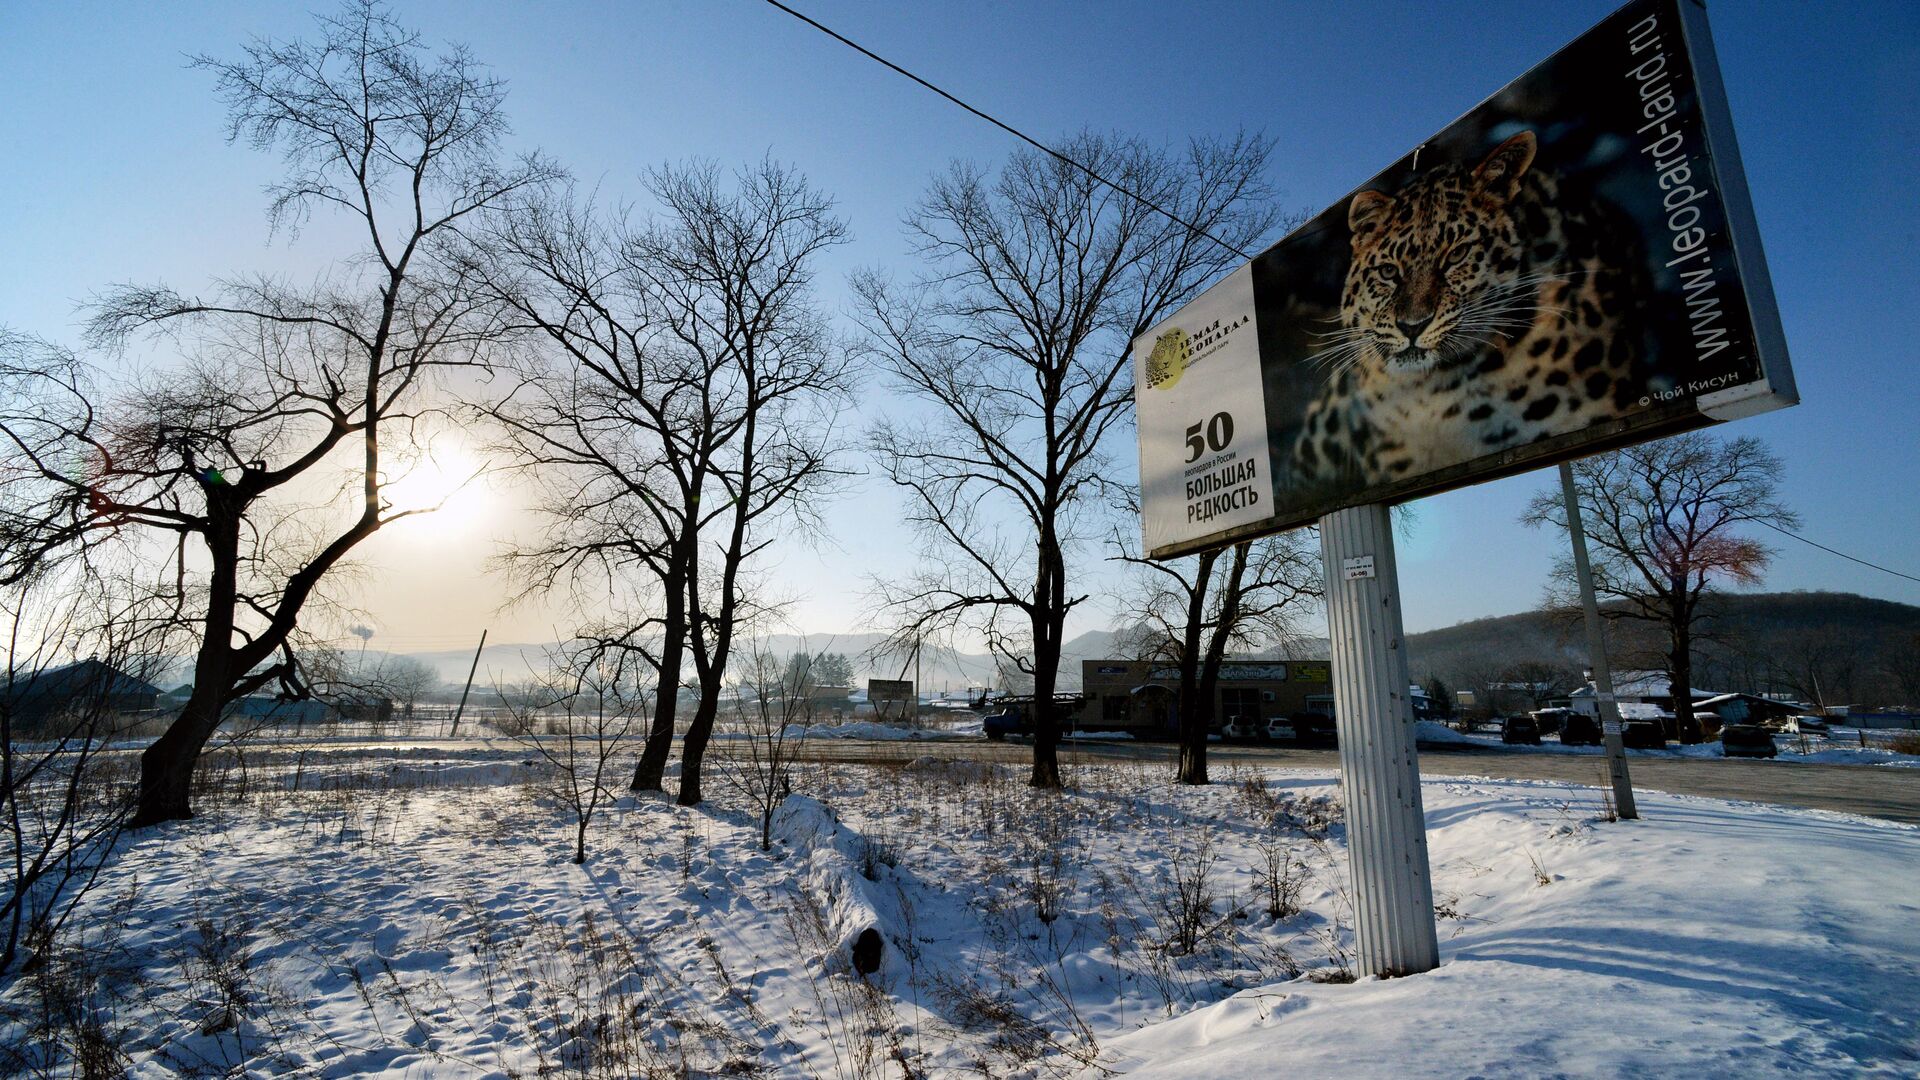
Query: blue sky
(116, 170)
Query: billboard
(892, 699)
(1570, 267)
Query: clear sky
(115, 169)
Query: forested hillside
(1831, 648)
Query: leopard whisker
(1526, 315)
(1328, 356)
(1339, 359)
(1508, 303)
(1490, 326)
(1355, 334)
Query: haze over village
(822, 540)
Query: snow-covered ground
(409, 920)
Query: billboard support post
(1610, 726)
(1379, 772)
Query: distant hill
(503, 664)
(939, 667)
(1837, 647)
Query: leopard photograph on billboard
(1569, 267)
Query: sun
(446, 480)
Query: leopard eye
(1458, 257)
(1388, 272)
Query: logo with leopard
(1486, 305)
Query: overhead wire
(1010, 129)
(1831, 551)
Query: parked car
(1579, 729)
(1243, 727)
(1644, 735)
(1747, 740)
(1550, 721)
(1520, 730)
(1315, 729)
(1280, 729)
(1007, 722)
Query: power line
(1010, 129)
(1830, 551)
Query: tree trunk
(1680, 681)
(1049, 621)
(650, 773)
(1223, 626)
(693, 749)
(1193, 718)
(1046, 720)
(166, 766)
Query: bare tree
(1662, 521)
(60, 716)
(588, 709)
(1900, 663)
(1192, 611)
(681, 411)
(1018, 336)
(776, 704)
(1536, 682)
(613, 428)
(223, 454)
(1819, 667)
(735, 269)
(405, 680)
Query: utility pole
(1610, 726)
(469, 687)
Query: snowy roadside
(428, 925)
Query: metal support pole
(1610, 727)
(1373, 711)
(469, 687)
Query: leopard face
(1435, 275)
(1483, 308)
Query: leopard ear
(1500, 174)
(1367, 214)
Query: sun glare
(448, 477)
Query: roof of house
(1772, 704)
(89, 676)
(1643, 684)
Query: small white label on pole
(1360, 566)
(1606, 697)
(1611, 727)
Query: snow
(1434, 733)
(424, 920)
(851, 886)
(861, 729)
(1710, 938)
(880, 732)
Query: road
(1875, 791)
(1856, 789)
